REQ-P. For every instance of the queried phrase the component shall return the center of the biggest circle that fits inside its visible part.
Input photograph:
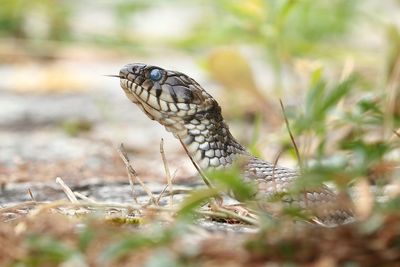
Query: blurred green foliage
(47, 250)
(53, 20)
(126, 245)
(230, 180)
(284, 28)
(320, 100)
(75, 127)
(16, 18)
(195, 200)
(349, 133)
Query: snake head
(170, 97)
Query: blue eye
(155, 75)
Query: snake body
(191, 114)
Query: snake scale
(191, 114)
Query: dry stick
(173, 192)
(396, 133)
(111, 205)
(67, 190)
(176, 191)
(132, 172)
(205, 179)
(237, 216)
(124, 157)
(18, 206)
(222, 213)
(167, 173)
(31, 194)
(83, 197)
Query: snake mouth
(149, 110)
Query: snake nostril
(137, 67)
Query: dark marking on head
(172, 93)
(148, 84)
(182, 92)
(158, 92)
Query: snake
(192, 115)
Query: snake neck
(208, 139)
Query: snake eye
(155, 75)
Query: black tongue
(112, 75)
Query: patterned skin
(185, 109)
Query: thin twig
(221, 212)
(205, 179)
(162, 193)
(167, 172)
(124, 156)
(110, 205)
(83, 197)
(132, 172)
(67, 190)
(291, 135)
(396, 133)
(31, 194)
(18, 206)
(41, 206)
(177, 191)
(235, 215)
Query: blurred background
(59, 116)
